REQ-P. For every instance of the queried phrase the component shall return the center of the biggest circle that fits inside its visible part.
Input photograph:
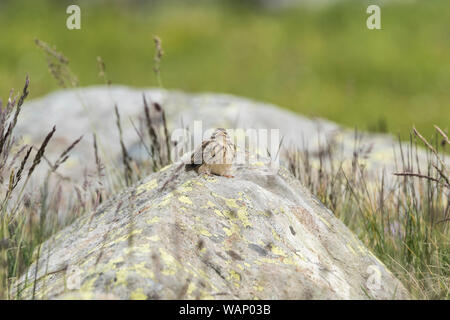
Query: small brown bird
(215, 155)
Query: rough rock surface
(206, 237)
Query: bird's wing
(197, 155)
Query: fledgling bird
(215, 155)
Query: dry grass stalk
(65, 155)
(126, 158)
(157, 59)
(40, 153)
(102, 70)
(58, 65)
(442, 172)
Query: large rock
(86, 110)
(253, 236)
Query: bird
(215, 155)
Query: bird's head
(218, 133)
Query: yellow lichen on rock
(138, 294)
(278, 251)
(217, 211)
(171, 264)
(185, 187)
(185, 199)
(227, 231)
(210, 204)
(165, 168)
(231, 203)
(147, 186)
(154, 238)
(205, 232)
(121, 277)
(258, 287)
(126, 236)
(165, 201)
(235, 277)
(190, 289)
(266, 260)
(88, 285)
(243, 216)
(143, 271)
(153, 220)
(138, 249)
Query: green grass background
(316, 61)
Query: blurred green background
(316, 60)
